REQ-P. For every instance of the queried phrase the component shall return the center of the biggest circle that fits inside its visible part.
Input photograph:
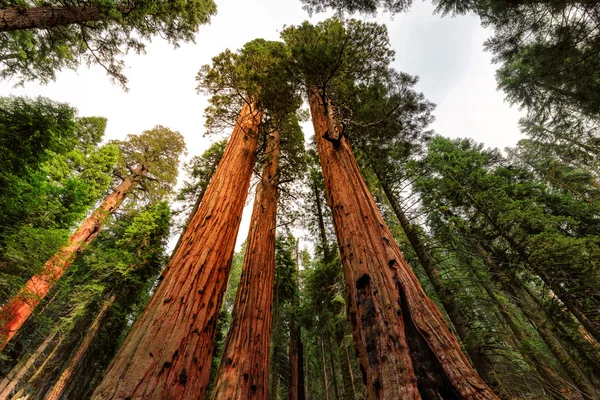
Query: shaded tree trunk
(67, 374)
(20, 17)
(296, 387)
(322, 232)
(11, 381)
(542, 326)
(18, 309)
(332, 363)
(559, 387)
(351, 390)
(325, 381)
(245, 363)
(480, 360)
(169, 350)
(405, 348)
(555, 286)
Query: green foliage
(543, 231)
(53, 171)
(124, 260)
(201, 169)
(32, 129)
(549, 53)
(368, 7)
(156, 150)
(334, 52)
(118, 27)
(256, 73)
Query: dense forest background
(386, 256)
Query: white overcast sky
(446, 53)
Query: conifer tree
(246, 80)
(404, 345)
(39, 39)
(154, 153)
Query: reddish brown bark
(405, 348)
(167, 354)
(16, 311)
(20, 17)
(245, 363)
(65, 377)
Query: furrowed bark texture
(16, 311)
(10, 381)
(20, 17)
(405, 348)
(65, 377)
(480, 360)
(245, 363)
(167, 354)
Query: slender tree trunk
(21, 395)
(322, 232)
(541, 324)
(167, 354)
(245, 363)
(405, 348)
(552, 284)
(18, 309)
(20, 17)
(294, 363)
(296, 387)
(325, 382)
(59, 387)
(480, 360)
(348, 363)
(550, 377)
(10, 382)
(332, 363)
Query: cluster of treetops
(460, 272)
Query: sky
(446, 53)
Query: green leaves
(115, 28)
(334, 51)
(158, 150)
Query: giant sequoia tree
(152, 154)
(246, 80)
(39, 39)
(404, 345)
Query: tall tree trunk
(480, 360)
(547, 279)
(20, 17)
(332, 363)
(405, 348)
(541, 324)
(322, 232)
(65, 377)
(325, 382)
(245, 363)
(559, 387)
(16, 311)
(169, 350)
(296, 387)
(10, 381)
(348, 363)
